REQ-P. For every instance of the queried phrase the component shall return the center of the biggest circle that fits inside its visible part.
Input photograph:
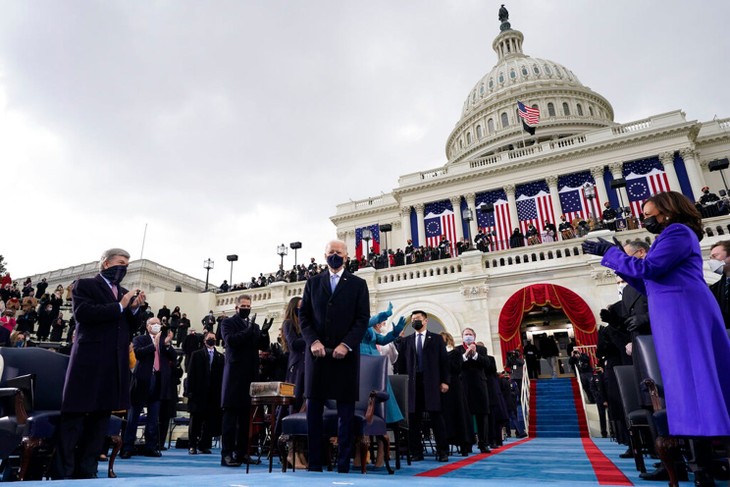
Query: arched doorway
(540, 295)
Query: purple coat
(691, 343)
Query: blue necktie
(419, 352)
(333, 282)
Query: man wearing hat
(709, 203)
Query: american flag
(573, 201)
(534, 205)
(530, 115)
(497, 221)
(361, 246)
(644, 178)
(439, 220)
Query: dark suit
(474, 380)
(635, 305)
(424, 386)
(148, 388)
(720, 291)
(97, 378)
(205, 380)
(295, 362)
(333, 318)
(243, 341)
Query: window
(551, 110)
(512, 74)
(501, 77)
(590, 110)
(505, 120)
(468, 138)
(525, 72)
(579, 107)
(548, 71)
(490, 126)
(566, 109)
(535, 69)
(481, 89)
(479, 132)
(461, 144)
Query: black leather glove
(252, 320)
(267, 325)
(599, 247)
(631, 323)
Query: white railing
(525, 397)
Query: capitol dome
(489, 122)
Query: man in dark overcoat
(152, 382)
(243, 339)
(334, 317)
(474, 381)
(97, 378)
(205, 379)
(426, 363)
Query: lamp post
(296, 246)
(231, 258)
(719, 165)
(207, 265)
(468, 217)
(589, 189)
(367, 235)
(384, 229)
(282, 251)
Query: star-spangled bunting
(439, 220)
(361, 245)
(573, 201)
(534, 205)
(496, 223)
(644, 178)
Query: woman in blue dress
(692, 345)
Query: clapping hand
(471, 351)
(599, 247)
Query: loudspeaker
(486, 207)
(295, 245)
(719, 164)
(618, 183)
(386, 227)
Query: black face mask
(114, 274)
(210, 342)
(244, 312)
(335, 261)
(417, 325)
(652, 225)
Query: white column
(616, 170)
(694, 171)
(597, 173)
(552, 182)
(510, 190)
(667, 159)
(456, 205)
(420, 207)
(405, 225)
(473, 224)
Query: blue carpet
(555, 413)
(556, 461)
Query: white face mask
(155, 329)
(716, 266)
(468, 339)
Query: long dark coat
(334, 318)
(205, 381)
(144, 350)
(459, 428)
(97, 378)
(435, 369)
(474, 380)
(243, 341)
(295, 362)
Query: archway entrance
(545, 295)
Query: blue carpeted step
(555, 413)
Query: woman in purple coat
(692, 346)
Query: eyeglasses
(634, 254)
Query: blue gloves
(599, 247)
(382, 316)
(398, 328)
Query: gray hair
(639, 245)
(108, 254)
(247, 297)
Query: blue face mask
(114, 274)
(468, 339)
(335, 261)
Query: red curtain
(537, 296)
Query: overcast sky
(231, 127)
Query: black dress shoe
(228, 461)
(204, 451)
(312, 468)
(627, 454)
(192, 451)
(522, 435)
(125, 455)
(153, 453)
(443, 457)
(247, 459)
(417, 458)
(485, 450)
(163, 448)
